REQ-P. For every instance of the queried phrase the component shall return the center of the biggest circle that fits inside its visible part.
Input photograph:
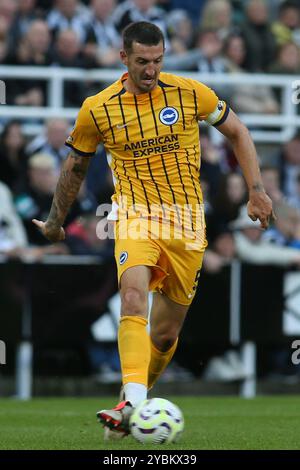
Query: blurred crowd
(209, 36)
(205, 35)
(29, 172)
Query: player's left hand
(260, 207)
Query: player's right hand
(52, 233)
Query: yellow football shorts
(175, 258)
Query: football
(156, 421)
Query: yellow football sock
(159, 361)
(134, 349)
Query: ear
(123, 57)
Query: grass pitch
(210, 423)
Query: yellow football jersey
(152, 142)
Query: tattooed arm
(72, 174)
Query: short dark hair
(288, 4)
(142, 32)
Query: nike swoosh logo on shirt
(121, 126)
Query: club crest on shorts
(123, 257)
(168, 116)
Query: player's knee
(134, 301)
(164, 341)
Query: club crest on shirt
(168, 116)
(123, 257)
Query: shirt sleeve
(85, 136)
(209, 107)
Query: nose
(150, 71)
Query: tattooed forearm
(257, 187)
(72, 174)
